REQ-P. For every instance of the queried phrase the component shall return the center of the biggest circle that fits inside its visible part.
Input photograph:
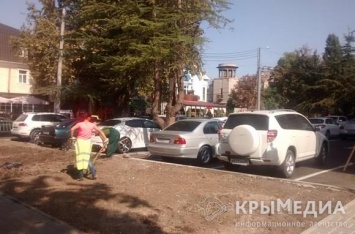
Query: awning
(204, 104)
(4, 100)
(28, 100)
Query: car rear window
(316, 121)
(183, 126)
(21, 118)
(110, 122)
(66, 123)
(259, 122)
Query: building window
(224, 73)
(24, 53)
(203, 94)
(22, 77)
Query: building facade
(15, 79)
(221, 87)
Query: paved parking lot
(307, 171)
(332, 174)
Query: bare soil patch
(137, 196)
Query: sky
(274, 26)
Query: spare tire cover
(244, 140)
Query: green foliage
(230, 105)
(209, 114)
(306, 83)
(244, 93)
(118, 49)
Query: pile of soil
(140, 196)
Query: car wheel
(327, 134)
(124, 145)
(68, 145)
(323, 155)
(204, 155)
(244, 140)
(34, 137)
(288, 166)
(230, 167)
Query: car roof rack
(287, 110)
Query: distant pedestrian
(83, 144)
(114, 136)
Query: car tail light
(271, 135)
(179, 141)
(22, 124)
(151, 139)
(219, 133)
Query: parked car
(348, 130)
(340, 119)
(222, 119)
(134, 132)
(28, 125)
(57, 135)
(5, 125)
(274, 138)
(188, 138)
(327, 126)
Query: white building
(197, 85)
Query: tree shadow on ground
(89, 207)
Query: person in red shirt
(83, 144)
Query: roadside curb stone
(18, 217)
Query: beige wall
(226, 84)
(10, 85)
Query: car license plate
(45, 133)
(161, 140)
(238, 161)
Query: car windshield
(316, 121)
(22, 117)
(183, 126)
(110, 122)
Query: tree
(338, 77)
(295, 82)
(244, 93)
(115, 50)
(39, 37)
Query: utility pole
(60, 63)
(259, 81)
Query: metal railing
(5, 126)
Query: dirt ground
(138, 196)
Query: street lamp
(259, 80)
(60, 64)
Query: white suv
(28, 125)
(276, 138)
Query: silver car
(348, 130)
(327, 126)
(188, 138)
